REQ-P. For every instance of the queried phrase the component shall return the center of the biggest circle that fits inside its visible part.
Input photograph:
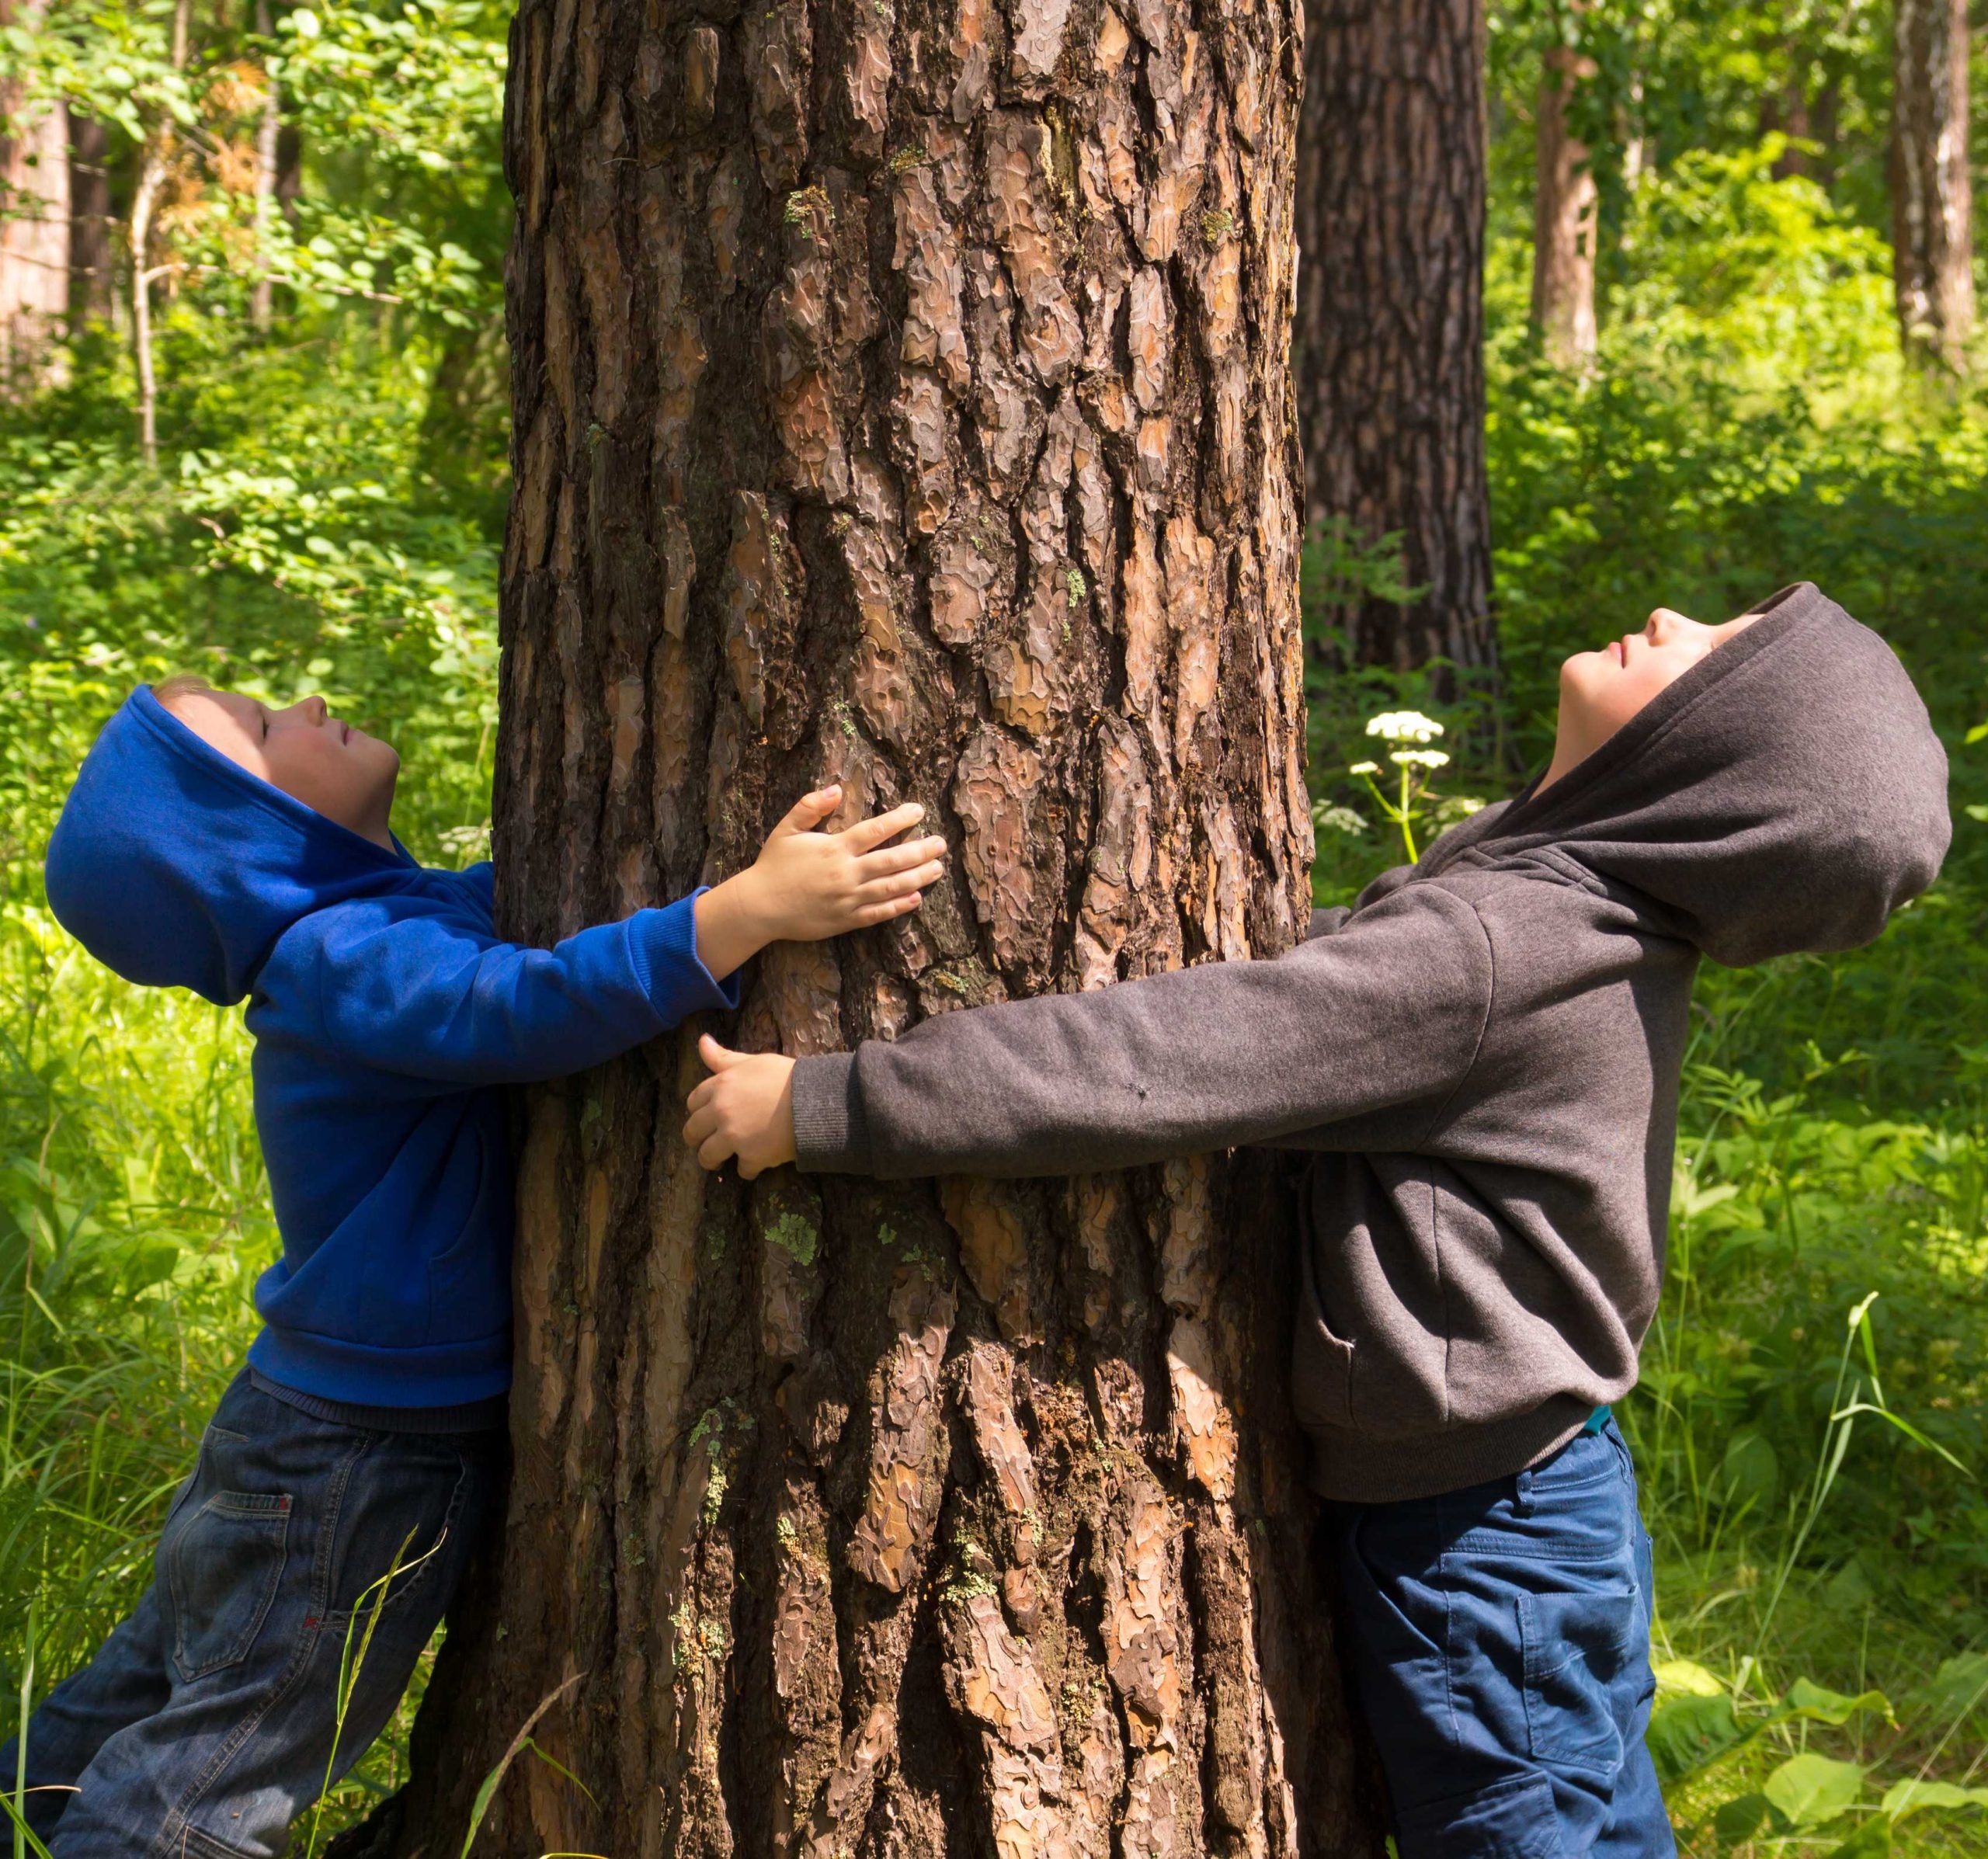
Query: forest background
(309, 495)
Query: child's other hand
(744, 1108)
(821, 884)
(806, 884)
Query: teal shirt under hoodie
(387, 1014)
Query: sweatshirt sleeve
(432, 997)
(1386, 1012)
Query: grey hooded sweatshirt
(1480, 1057)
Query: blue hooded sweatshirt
(385, 1013)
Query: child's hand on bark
(744, 1108)
(806, 884)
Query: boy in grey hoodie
(1480, 1058)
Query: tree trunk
(1391, 321)
(289, 169)
(92, 277)
(1565, 204)
(153, 166)
(903, 401)
(34, 224)
(1783, 110)
(1932, 205)
(268, 129)
(151, 176)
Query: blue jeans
(1500, 1651)
(206, 1723)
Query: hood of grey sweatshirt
(1479, 1059)
(1786, 794)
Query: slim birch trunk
(1565, 209)
(144, 203)
(1932, 198)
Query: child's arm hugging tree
(432, 997)
(1385, 1012)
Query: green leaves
(1690, 1733)
(1808, 1790)
(1696, 1721)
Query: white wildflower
(1337, 819)
(1404, 726)
(1364, 768)
(1421, 758)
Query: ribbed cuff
(831, 1135)
(466, 1416)
(667, 940)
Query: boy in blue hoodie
(214, 842)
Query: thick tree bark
(1390, 316)
(1932, 201)
(34, 223)
(92, 276)
(1565, 202)
(901, 398)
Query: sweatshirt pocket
(469, 1294)
(1321, 1374)
(469, 1282)
(1320, 1362)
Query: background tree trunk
(906, 404)
(1565, 207)
(34, 222)
(1932, 202)
(1391, 321)
(269, 131)
(93, 294)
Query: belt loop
(1522, 1492)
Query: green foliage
(133, 1217)
(1747, 423)
(324, 515)
(293, 559)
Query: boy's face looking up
(340, 772)
(1600, 691)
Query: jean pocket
(224, 1560)
(397, 1527)
(1588, 1462)
(1514, 1820)
(1586, 1663)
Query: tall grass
(133, 1220)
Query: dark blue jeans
(207, 1721)
(1501, 1654)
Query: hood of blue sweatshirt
(178, 869)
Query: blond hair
(181, 684)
